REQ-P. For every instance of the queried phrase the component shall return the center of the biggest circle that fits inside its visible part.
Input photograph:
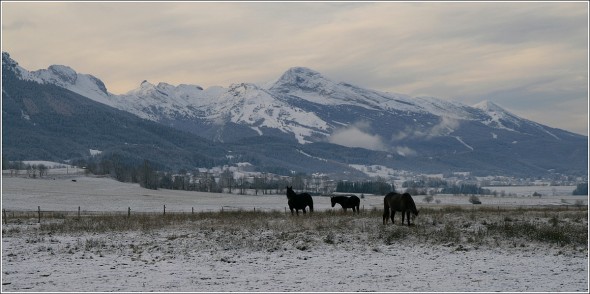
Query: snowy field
(103, 194)
(274, 253)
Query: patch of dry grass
(276, 230)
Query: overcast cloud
(358, 135)
(531, 58)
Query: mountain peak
(489, 106)
(302, 70)
(11, 64)
(300, 74)
(65, 73)
(301, 78)
(7, 60)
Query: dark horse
(398, 202)
(299, 201)
(347, 202)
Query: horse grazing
(398, 202)
(299, 201)
(347, 202)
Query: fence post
(5, 216)
(128, 211)
(39, 213)
(78, 211)
(164, 209)
(192, 210)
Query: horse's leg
(385, 215)
(403, 214)
(408, 217)
(393, 216)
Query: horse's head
(333, 201)
(290, 192)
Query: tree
(297, 181)
(42, 170)
(31, 171)
(166, 181)
(4, 162)
(581, 189)
(227, 179)
(148, 177)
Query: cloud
(446, 126)
(460, 51)
(404, 151)
(357, 135)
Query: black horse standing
(347, 202)
(398, 202)
(298, 201)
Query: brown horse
(299, 201)
(398, 202)
(347, 202)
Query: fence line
(48, 214)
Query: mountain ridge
(307, 108)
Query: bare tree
(227, 179)
(42, 170)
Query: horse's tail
(307, 200)
(385, 209)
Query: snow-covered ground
(200, 257)
(104, 194)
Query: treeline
(379, 187)
(123, 169)
(32, 170)
(153, 176)
(421, 187)
(465, 189)
(581, 189)
(426, 183)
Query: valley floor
(449, 249)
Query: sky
(531, 58)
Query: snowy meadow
(225, 242)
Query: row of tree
(378, 187)
(426, 183)
(581, 189)
(32, 170)
(152, 176)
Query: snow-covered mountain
(282, 105)
(308, 108)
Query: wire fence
(40, 214)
